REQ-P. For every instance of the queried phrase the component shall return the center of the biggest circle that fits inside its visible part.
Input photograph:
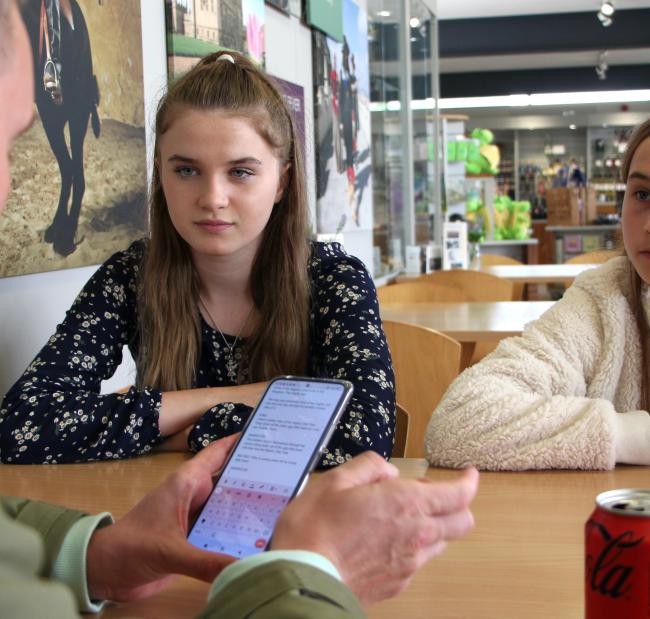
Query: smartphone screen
(278, 447)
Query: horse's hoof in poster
(66, 245)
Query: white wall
(32, 305)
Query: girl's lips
(214, 226)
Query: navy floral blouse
(55, 412)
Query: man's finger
(366, 468)
(199, 564)
(215, 454)
(446, 497)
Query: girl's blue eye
(185, 171)
(241, 173)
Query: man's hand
(378, 530)
(140, 553)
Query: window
(404, 129)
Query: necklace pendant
(231, 367)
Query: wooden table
(469, 323)
(539, 273)
(524, 558)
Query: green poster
(326, 15)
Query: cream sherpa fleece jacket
(564, 395)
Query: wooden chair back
(401, 431)
(449, 287)
(593, 257)
(425, 363)
(493, 260)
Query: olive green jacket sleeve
(286, 589)
(31, 534)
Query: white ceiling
(462, 9)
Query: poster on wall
(294, 97)
(196, 28)
(288, 6)
(342, 126)
(326, 15)
(253, 15)
(79, 172)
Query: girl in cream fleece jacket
(571, 392)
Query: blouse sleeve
(348, 342)
(54, 412)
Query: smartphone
(269, 465)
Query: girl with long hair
(572, 391)
(224, 294)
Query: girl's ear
(284, 180)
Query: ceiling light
(602, 67)
(476, 102)
(572, 127)
(414, 22)
(605, 13)
(547, 99)
(383, 13)
(607, 9)
(604, 20)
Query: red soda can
(617, 556)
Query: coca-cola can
(617, 556)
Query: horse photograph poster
(342, 124)
(79, 173)
(196, 29)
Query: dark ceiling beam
(525, 34)
(578, 79)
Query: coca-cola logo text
(607, 572)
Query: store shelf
(574, 240)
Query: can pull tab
(631, 506)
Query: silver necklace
(231, 363)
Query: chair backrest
(593, 257)
(401, 431)
(425, 363)
(492, 260)
(449, 287)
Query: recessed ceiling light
(414, 22)
(384, 13)
(572, 127)
(607, 9)
(605, 21)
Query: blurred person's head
(635, 171)
(635, 225)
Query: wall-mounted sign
(326, 15)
